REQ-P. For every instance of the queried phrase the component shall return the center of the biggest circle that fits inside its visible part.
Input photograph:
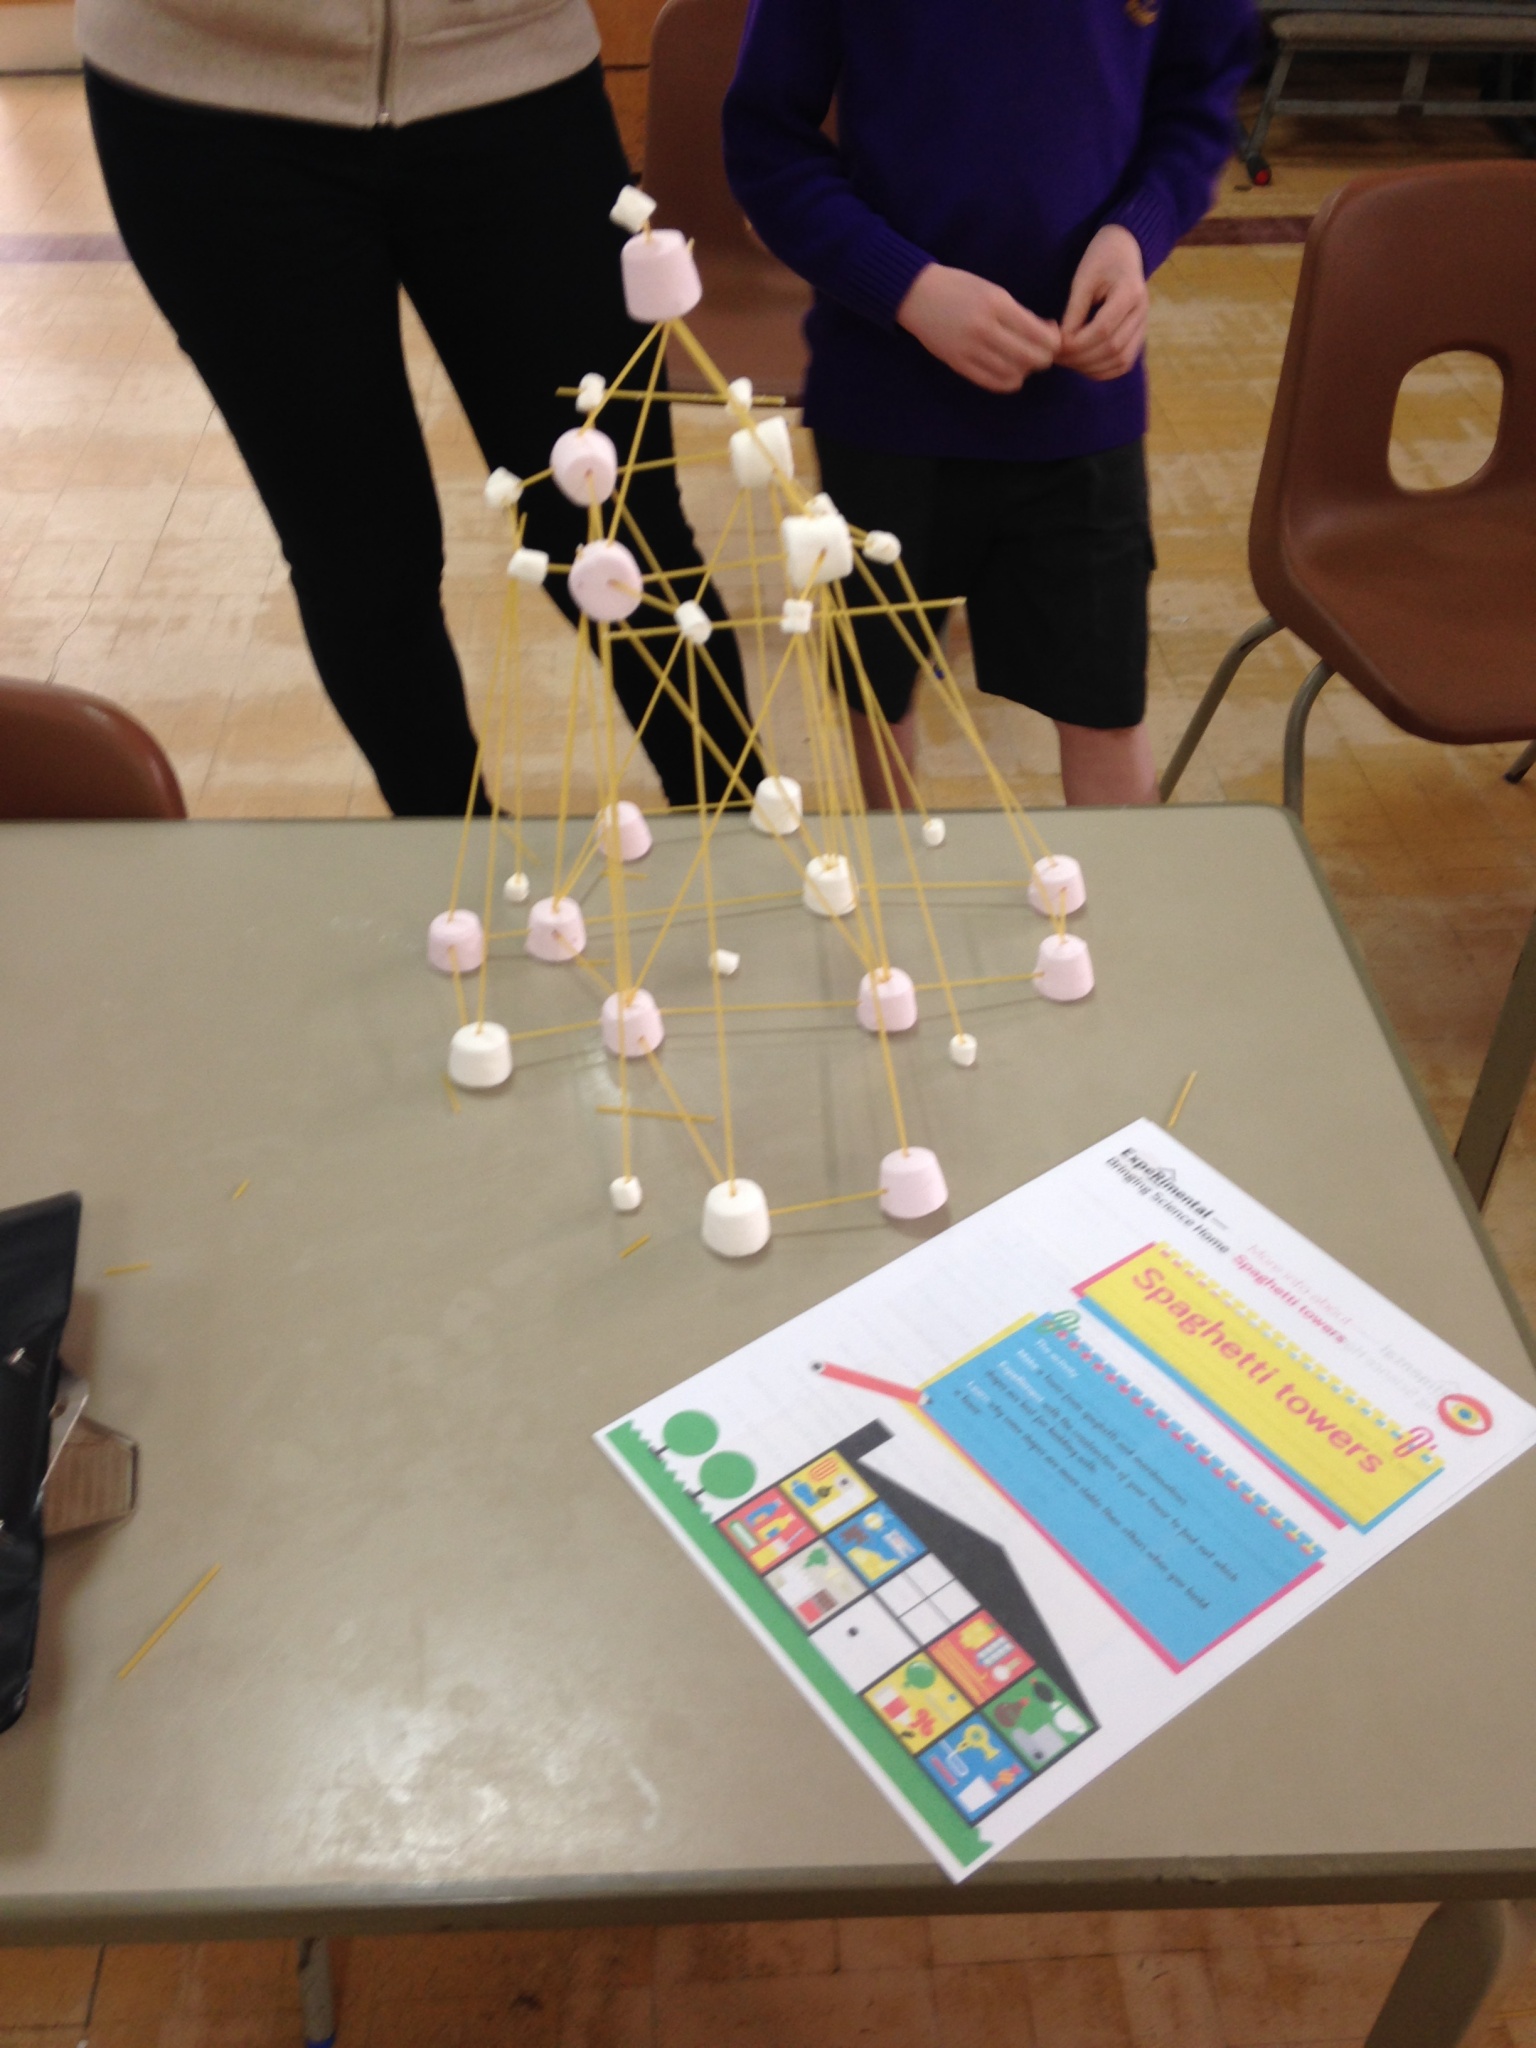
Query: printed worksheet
(1003, 1508)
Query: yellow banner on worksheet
(1300, 1417)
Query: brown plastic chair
(752, 310)
(1424, 600)
(66, 755)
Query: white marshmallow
(962, 1049)
(723, 962)
(661, 279)
(912, 1183)
(529, 565)
(605, 580)
(820, 504)
(639, 1031)
(456, 939)
(761, 452)
(798, 615)
(591, 392)
(818, 548)
(632, 209)
(480, 1056)
(830, 890)
(777, 805)
(740, 389)
(625, 1193)
(502, 490)
(933, 831)
(693, 622)
(515, 888)
(881, 547)
(585, 465)
(736, 1221)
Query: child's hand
(1105, 324)
(977, 328)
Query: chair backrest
(751, 317)
(64, 754)
(1401, 266)
(693, 59)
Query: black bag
(37, 1276)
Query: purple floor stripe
(62, 249)
(1253, 230)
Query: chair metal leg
(1215, 690)
(1466, 1951)
(1255, 143)
(1523, 766)
(1502, 1083)
(1296, 735)
(316, 1993)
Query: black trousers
(277, 250)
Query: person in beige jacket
(281, 170)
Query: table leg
(1466, 1951)
(315, 1993)
(1502, 1083)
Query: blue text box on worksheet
(1178, 1544)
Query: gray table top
(452, 1671)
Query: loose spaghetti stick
(1178, 1107)
(171, 1619)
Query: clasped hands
(986, 336)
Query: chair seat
(1457, 665)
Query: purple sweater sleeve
(788, 175)
(1205, 50)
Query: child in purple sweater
(1007, 174)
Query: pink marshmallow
(605, 580)
(661, 279)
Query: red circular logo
(1466, 1416)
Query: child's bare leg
(866, 749)
(1107, 767)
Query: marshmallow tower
(456, 940)
(890, 992)
(736, 1221)
(557, 932)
